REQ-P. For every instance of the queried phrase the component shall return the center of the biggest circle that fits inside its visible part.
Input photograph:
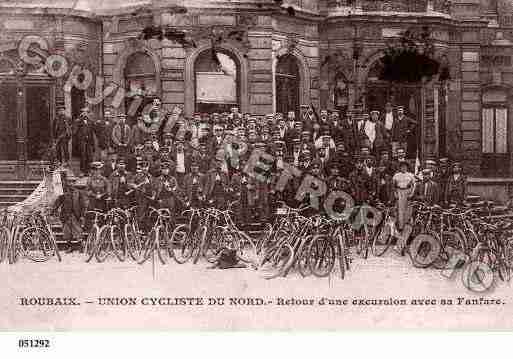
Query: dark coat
(428, 191)
(70, 204)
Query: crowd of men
(166, 160)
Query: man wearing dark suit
(62, 135)
(456, 185)
(122, 136)
(110, 164)
(217, 185)
(84, 134)
(336, 130)
(350, 133)
(119, 180)
(71, 208)
(388, 119)
(402, 129)
(194, 183)
(427, 191)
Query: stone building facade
(291, 55)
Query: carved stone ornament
(21, 68)
(339, 62)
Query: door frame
(23, 168)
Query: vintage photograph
(256, 165)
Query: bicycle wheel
(90, 244)
(382, 239)
(15, 248)
(453, 244)
(133, 243)
(321, 256)
(504, 270)
(246, 248)
(117, 242)
(343, 255)
(426, 252)
(148, 246)
(104, 245)
(212, 245)
(201, 242)
(179, 246)
(508, 252)
(303, 261)
(486, 257)
(36, 244)
(281, 260)
(159, 234)
(4, 243)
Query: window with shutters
(495, 129)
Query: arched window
(495, 128)
(217, 78)
(140, 80)
(287, 84)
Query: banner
(215, 87)
(44, 196)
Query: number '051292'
(33, 343)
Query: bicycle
(93, 236)
(110, 238)
(157, 237)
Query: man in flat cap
(456, 190)
(119, 181)
(167, 192)
(217, 184)
(403, 129)
(84, 134)
(62, 131)
(350, 131)
(427, 190)
(97, 188)
(71, 211)
(122, 136)
(194, 184)
(442, 177)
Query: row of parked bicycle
(314, 245)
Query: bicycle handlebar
(162, 212)
(97, 213)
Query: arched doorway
(217, 81)
(140, 81)
(287, 80)
(409, 95)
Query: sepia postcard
(256, 165)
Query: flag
(417, 164)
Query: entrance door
(287, 85)
(38, 121)
(377, 95)
(8, 125)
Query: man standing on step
(61, 136)
(85, 136)
(71, 209)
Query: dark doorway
(409, 96)
(287, 85)
(38, 121)
(8, 122)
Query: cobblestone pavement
(287, 302)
